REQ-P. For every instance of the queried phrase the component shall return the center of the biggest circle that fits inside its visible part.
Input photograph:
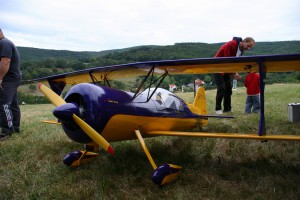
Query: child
(253, 92)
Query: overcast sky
(96, 25)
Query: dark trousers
(10, 113)
(224, 91)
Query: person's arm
(4, 67)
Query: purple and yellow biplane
(95, 114)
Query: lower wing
(226, 135)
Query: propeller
(94, 135)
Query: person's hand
(236, 76)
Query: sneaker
(219, 112)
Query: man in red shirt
(253, 91)
(235, 47)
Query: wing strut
(161, 78)
(94, 79)
(262, 76)
(138, 90)
(152, 82)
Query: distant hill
(176, 51)
(35, 54)
(37, 63)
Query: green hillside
(29, 54)
(142, 53)
(37, 63)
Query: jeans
(252, 104)
(10, 113)
(224, 91)
(234, 84)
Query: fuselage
(115, 115)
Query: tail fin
(199, 105)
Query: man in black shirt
(10, 79)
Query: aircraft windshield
(166, 99)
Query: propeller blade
(93, 134)
(52, 96)
(58, 101)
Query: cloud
(100, 25)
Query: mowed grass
(31, 162)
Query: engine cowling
(91, 103)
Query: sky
(97, 25)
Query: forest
(36, 63)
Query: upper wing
(271, 63)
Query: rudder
(199, 105)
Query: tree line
(36, 63)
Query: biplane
(95, 114)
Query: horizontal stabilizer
(51, 122)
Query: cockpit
(165, 100)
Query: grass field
(31, 162)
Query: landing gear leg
(76, 158)
(163, 174)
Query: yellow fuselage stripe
(121, 127)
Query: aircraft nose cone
(65, 112)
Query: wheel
(165, 174)
(70, 158)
